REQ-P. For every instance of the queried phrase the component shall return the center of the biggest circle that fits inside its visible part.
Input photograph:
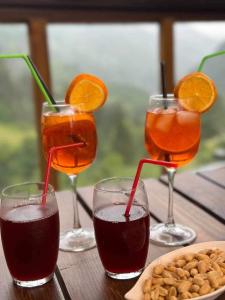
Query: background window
(194, 40)
(18, 155)
(126, 57)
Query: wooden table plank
(51, 290)
(85, 278)
(8, 291)
(86, 267)
(185, 212)
(86, 194)
(86, 199)
(202, 192)
(83, 273)
(217, 176)
(65, 204)
(101, 286)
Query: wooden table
(199, 203)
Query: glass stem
(76, 221)
(170, 218)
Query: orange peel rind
(86, 92)
(196, 92)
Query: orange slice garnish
(86, 92)
(196, 92)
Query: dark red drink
(122, 243)
(30, 239)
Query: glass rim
(160, 97)
(59, 103)
(108, 190)
(26, 183)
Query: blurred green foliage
(120, 126)
(120, 123)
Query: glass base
(171, 235)
(124, 276)
(33, 283)
(77, 240)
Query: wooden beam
(39, 55)
(166, 50)
(135, 5)
(66, 15)
(76, 15)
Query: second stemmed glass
(171, 134)
(63, 125)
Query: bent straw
(49, 161)
(136, 178)
(205, 58)
(33, 72)
(41, 80)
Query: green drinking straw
(33, 72)
(205, 58)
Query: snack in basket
(187, 276)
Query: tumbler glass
(122, 241)
(29, 232)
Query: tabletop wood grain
(199, 201)
(216, 176)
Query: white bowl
(136, 292)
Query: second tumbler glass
(122, 241)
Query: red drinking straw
(47, 172)
(138, 172)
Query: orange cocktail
(67, 128)
(65, 125)
(69, 135)
(172, 134)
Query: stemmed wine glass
(171, 134)
(62, 124)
